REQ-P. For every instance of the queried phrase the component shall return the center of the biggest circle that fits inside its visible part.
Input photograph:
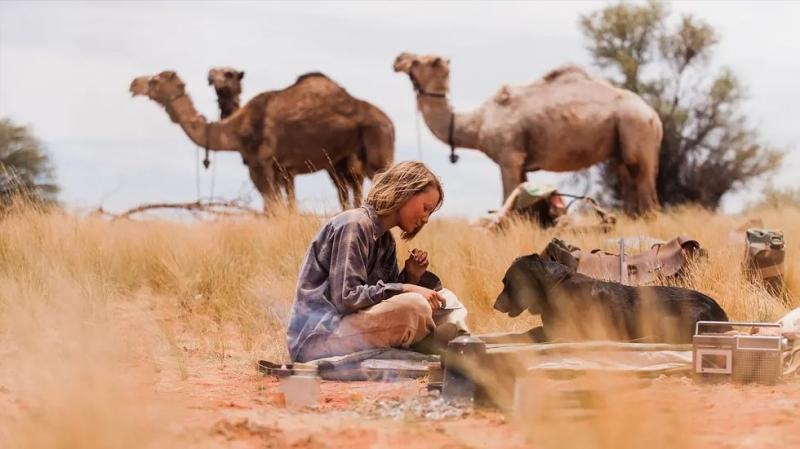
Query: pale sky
(65, 68)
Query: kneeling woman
(351, 295)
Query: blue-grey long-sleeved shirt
(350, 265)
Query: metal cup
(463, 355)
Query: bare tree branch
(226, 208)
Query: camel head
(226, 79)
(162, 88)
(429, 73)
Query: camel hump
(308, 75)
(567, 71)
(317, 82)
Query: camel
(347, 173)
(565, 121)
(227, 82)
(310, 125)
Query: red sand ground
(227, 407)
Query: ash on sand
(429, 407)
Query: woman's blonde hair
(393, 187)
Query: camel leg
(640, 143)
(358, 189)
(354, 174)
(285, 181)
(638, 189)
(347, 175)
(637, 182)
(646, 182)
(628, 188)
(646, 196)
(511, 172)
(378, 151)
(257, 176)
(339, 182)
(263, 176)
(273, 199)
(288, 185)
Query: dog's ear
(531, 287)
(509, 300)
(534, 262)
(561, 252)
(532, 258)
(556, 272)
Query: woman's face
(413, 215)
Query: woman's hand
(434, 298)
(416, 265)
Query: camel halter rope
(206, 160)
(605, 216)
(206, 164)
(451, 127)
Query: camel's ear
(441, 62)
(241, 75)
(404, 61)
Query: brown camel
(308, 126)
(566, 121)
(227, 82)
(347, 173)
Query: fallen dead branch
(224, 208)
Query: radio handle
(733, 323)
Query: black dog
(575, 307)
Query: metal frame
(728, 353)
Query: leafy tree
(708, 148)
(25, 167)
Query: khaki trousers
(397, 322)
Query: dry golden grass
(91, 309)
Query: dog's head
(522, 287)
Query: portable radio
(719, 353)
